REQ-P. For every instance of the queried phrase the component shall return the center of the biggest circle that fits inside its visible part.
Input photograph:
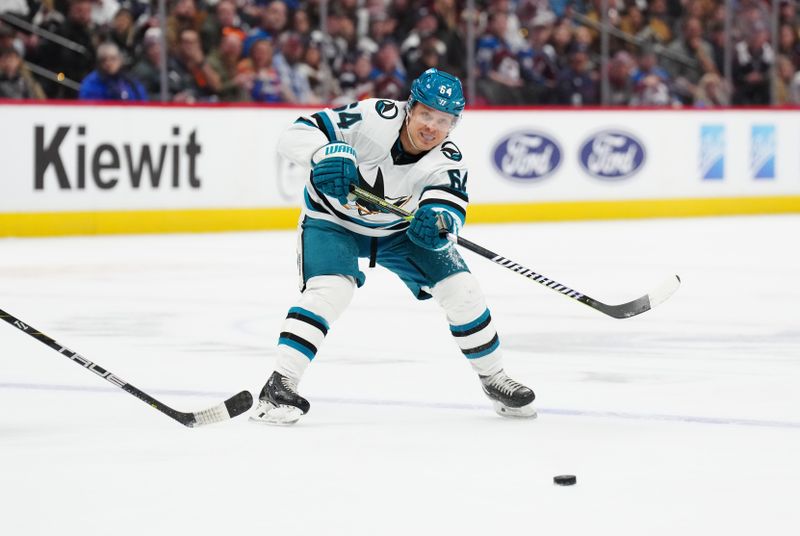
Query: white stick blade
(663, 292)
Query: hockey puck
(564, 480)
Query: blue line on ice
(439, 405)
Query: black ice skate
(279, 402)
(510, 398)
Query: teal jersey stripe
(328, 126)
(304, 121)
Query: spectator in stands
(698, 9)
(184, 16)
(794, 89)
(788, 14)
(332, 49)
(404, 15)
(582, 38)
(450, 18)
(77, 27)
(430, 55)
(594, 12)
(561, 40)
(500, 72)
(109, 82)
(752, 62)
(347, 40)
(539, 62)
(620, 81)
(659, 23)
(652, 84)
(16, 82)
(147, 69)
(355, 80)
(388, 73)
(381, 28)
(20, 8)
(122, 33)
(301, 24)
(291, 50)
(225, 62)
(635, 24)
(788, 44)
(576, 84)
(785, 75)
(425, 28)
(224, 17)
(698, 59)
(712, 92)
(749, 15)
(513, 35)
(267, 85)
(429, 32)
(318, 73)
(194, 78)
(8, 36)
(717, 38)
(103, 12)
(273, 21)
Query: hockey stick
(235, 405)
(623, 310)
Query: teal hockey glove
(430, 227)
(333, 170)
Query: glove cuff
(336, 149)
(455, 217)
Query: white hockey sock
(470, 322)
(301, 336)
(324, 299)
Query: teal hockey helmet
(439, 90)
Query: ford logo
(612, 155)
(527, 155)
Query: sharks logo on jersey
(451, 151)
(365, 208)
(386, 109)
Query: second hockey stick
(235, 405)
(623, 310)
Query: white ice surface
(684, 420)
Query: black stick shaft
(480, 250)
(186, 419)
(625, 310)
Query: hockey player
(402, 152)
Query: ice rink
(684, 420)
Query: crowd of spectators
(527, 52)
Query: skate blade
(525, 412)
(276, 415)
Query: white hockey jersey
(372, 127)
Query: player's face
(427, 127)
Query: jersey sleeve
(446, 188)
(308, 133)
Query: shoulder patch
(386, 109)
(451, 151)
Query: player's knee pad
(328, 295)
(461, 297)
